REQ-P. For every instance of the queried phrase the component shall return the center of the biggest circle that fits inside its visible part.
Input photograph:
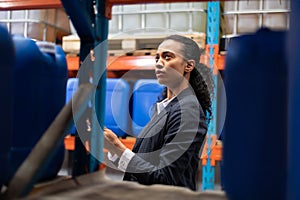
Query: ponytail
(202, 83)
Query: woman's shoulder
(185, 100)
(187, 96)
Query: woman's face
(170, 63)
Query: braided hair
(201, 76)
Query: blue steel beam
(213, 24)
(99, 78)
(92, 28)
(80, 15)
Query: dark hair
(201, 76)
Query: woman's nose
(159, 64)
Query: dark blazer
(167, 149)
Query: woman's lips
(159, 73)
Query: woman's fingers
(112, 142)
(112, 137)
(109, 141)
(109, 135)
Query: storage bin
(144, 26)
(185, 18)
(247, 16)
(44, 24)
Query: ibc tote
(40, 76)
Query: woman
(167, 149)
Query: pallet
(123, 44)
(143, 52)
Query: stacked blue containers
(145, 95)
(7, 59)
(117, 106)
(255, 130)
(40, 79)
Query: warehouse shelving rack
(92, 28)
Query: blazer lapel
(146, 130)
(155, 119)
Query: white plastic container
(144, 26)
(242, 16)
(43, 24)
(185, 18)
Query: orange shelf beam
(116, 2)
(130, 63)
(29, 4)
(115, 63)
(69, 142)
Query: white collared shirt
(161, 105)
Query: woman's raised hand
(112, 142)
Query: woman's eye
(167, 57)
(164, 57)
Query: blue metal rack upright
(213, 24)
(89, 20)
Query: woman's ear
(190, 66)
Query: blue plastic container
(7, 59)
(145, 94)
(72, 87)
(40, 79)
(116, 104)
(294, 105)
(255, 130)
